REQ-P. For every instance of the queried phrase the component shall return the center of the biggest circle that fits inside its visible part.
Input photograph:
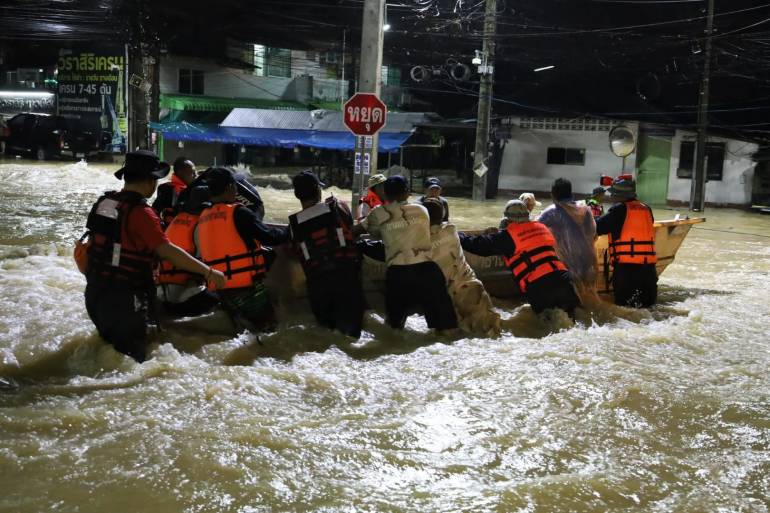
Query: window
(190, 81)
(715, 158)
(272, 62)
(391, 76)
(567, 156)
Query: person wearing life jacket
(629, 226)
(167, 198)
(594, 202)
(231, 239)
(321, 235)
(125, 238)
(528, 249)
(375, 196)
(475, 313)
(184, 294)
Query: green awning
(215, 104)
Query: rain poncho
(574, 229)
(473, 306)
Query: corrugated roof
(321, 120)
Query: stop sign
(364, 114)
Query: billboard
(92, 94)
(15, 102)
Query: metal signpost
(364, 114)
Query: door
(653, 162)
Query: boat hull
(286, 280)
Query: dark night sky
(620, 58)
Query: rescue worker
(594, 201)
(183, 294)
(528, 249)
(167, 198)
(232, 239)
(321, 233)
(574, 229)
(432, 187)
(413, 280)
(375, 196)
(529, 200)
(475, 313)
(124, 238)
(629, 226)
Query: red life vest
(371, 199)
(636, 244)
(107, 256)
(180, 232)
(535, 255)
(322, 237)
(222, 247)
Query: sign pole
(369, 82)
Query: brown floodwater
(660, 410)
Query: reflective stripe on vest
(636, 244)
(222, 247)
(535, 255)
(322, 237)
(180, 232)
(107, 258)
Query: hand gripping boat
(286, 280)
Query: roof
(272, 137)
(321, 120)
(216, 104)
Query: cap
(516, 211)
(218, 178)
(377, 179)
(529, 198)
(599, 191)
(306, 184)
(623, 187)
(432, 182)
(142, 164)
(395, 186)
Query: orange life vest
(179, 232)
(322, 238)
(636, 244)
(535, 255)
(109, 257)
(222, 247)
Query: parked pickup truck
(45, 137)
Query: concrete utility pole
(369, 82)
(698, 189)
(486, 70)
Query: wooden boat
(286, 280)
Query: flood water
(661, 410)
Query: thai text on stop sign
(367, 115)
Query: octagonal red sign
(364, 114)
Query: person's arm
(180, 259)
(499, 243)
(251, 228)
(612, 221)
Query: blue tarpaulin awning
(272, 137)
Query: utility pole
(369, 82)
(486, 71)
(698, 189)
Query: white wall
(524, 163)
(227, 82)
(737, 173)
